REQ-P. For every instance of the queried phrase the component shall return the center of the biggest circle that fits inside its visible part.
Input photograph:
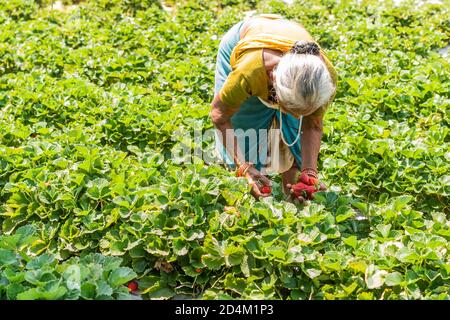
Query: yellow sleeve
(249, 78)
(235, 90)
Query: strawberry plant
(94, 99)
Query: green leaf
(162, 294)
(44, 260)
(237, 285)
(406, 255)
(104, 290)
(343, 213)
(180, 247)
(88, 291)
(13, 275)
(295, 255)
(73, 277)
(313, 273)
(401, 202)
(213, 262)
(374, 277)
(98, 188)
(350, 288)
(90, 120)
(121, 276)
(351, 241)
(353, 84)
(30, 294)
(245, 267)
(393, 279)
(7, 257)
(26, 235)
(13, 289)
(55, 292)
(277, 252)
(384, 230)
(231, 197)
(233, 255)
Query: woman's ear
(272, 76)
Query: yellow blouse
(249, 76)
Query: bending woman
(273, 84)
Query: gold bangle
(246, 169)
(311, 172)
(243, 168)
(239, 170)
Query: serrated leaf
(351, 241)
(7, 257)
(120, 276)
(393, 279)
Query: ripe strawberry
(266, 189)
(299, 188)
(132, 286)
(304, 190)
(307, 179)
(313, 181)
(304, 178)
(198, 270)
(310, 190)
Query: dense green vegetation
(90, 98)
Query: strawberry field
(95, 96)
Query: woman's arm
(221, 117)
(312, 127)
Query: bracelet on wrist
(311, 172)
(243, 168)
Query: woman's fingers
(299, 191)
(294, 196)
(257, 181)
(255, 190)
(265, 181)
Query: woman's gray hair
(302, 81)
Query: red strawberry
(308, 180)
(310, 190)
(304, 190)
(304, 178)
(299, 188)
(132, 286)
(198, 270)
(266, 189)
(313, 181)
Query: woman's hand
(306, 187)
(259, 182)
